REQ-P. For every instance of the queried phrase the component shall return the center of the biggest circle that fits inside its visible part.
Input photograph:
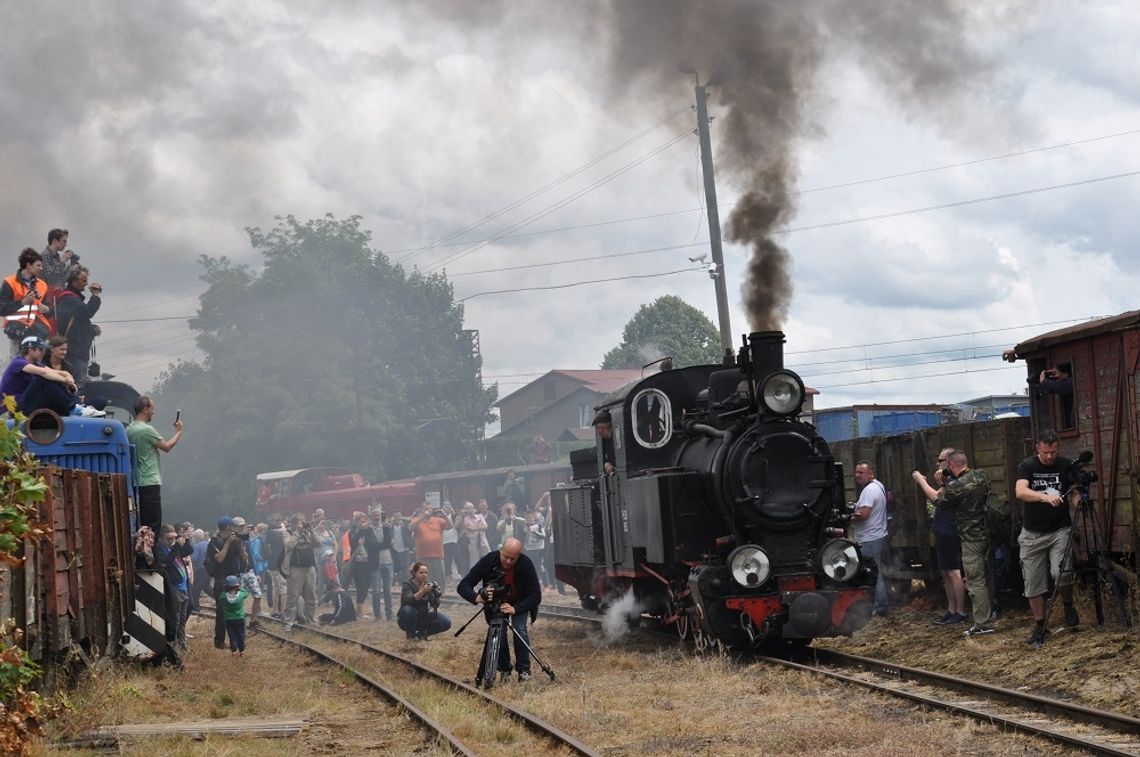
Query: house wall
(558, 416)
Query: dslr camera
(434, 595)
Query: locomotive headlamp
(839, 560)
(750, 566)
(782, 392)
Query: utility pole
(717, 275)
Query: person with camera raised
(419, 615)
(519, 596)
(224, 557)
(1044, 481)
(965, 491)
(73, 314)
(22, 301)
(299, 566)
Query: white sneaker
(87, 411)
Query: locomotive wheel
(681, 608)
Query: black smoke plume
(763, 59)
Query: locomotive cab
(723, 513)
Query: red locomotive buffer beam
(763, 609)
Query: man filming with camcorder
(510, 589)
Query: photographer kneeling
(419, 615)
(519, 596)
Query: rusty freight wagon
(1091, 401)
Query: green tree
(330, 355)
(669, 326)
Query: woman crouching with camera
(419, 615)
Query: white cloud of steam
(619, 615)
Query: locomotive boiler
(722, 511)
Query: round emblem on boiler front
(652, 418)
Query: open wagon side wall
(74, 590)
(995, 446)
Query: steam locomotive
(720, 509)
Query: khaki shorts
(1041, 555)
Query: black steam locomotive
(716, 506)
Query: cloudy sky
(527, 145)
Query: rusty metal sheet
(1129, 320)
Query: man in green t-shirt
(148, 442)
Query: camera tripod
(499, 627)
(1098, 563)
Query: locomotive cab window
(652, 418)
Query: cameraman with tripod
(1044, 481)
(510, 590)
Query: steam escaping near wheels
(621, 617)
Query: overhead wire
(581, 283)
(809, 190)
(594, 186)
(543, 189)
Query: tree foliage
(330, 355)
(668, 326)
(22, 711)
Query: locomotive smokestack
(766, 349)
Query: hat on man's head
(603, 416)
(33, 342)
(238, 520)
(225, 520)
(232, 582)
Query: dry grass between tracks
(649, 696)
(271, 681)
(1091, 666)
(641, 695)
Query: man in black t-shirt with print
(1044, 483)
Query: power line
(579, 283)
(562, 203)
(560, 180)
(810, 190)
(915, 378)
(568, 261)
(958, 204)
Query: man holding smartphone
(148, 442)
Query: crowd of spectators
(291, 568)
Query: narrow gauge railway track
(1073, 725)
(549, 733)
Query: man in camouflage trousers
(966, 491)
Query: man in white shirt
(869, 524)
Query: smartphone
(177, 415)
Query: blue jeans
(381, 580)
(410, 620)
(235, 629)
(877, 549)
(522, 654)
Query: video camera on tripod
(494, 593)
(1080, 477)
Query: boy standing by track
(233, 608)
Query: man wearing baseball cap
(249, 580)
(33, 384)
(224, 557)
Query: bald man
(510, 567)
